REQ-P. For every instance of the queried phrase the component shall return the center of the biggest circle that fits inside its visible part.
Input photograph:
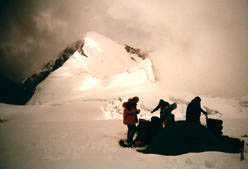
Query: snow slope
(74, 120)
(105, 66)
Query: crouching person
(165, 112)
(130, 117)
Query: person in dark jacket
(194, 110)
(165, 112)
(130, 117)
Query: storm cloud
(202, 42)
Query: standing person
(130, 117)
(165, 112)
(194, 110)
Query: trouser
(193, 117)
(167, 120)
(130, 133)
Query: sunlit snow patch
(135, 76)
(105, 57)
(128, 79)
(145, 65)
(89, 82)
(82, 60)
(93, 44)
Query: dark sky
(33, 31)
(210, 34)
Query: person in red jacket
(130, 117)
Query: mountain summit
(98, 65)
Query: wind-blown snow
(74, 120)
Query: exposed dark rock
(3, 120)
(11, 93)
(136, 51)
(244, 103)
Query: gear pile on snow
(184, 137)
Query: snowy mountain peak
(104, 57)
(99, 65)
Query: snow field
(74, 120)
